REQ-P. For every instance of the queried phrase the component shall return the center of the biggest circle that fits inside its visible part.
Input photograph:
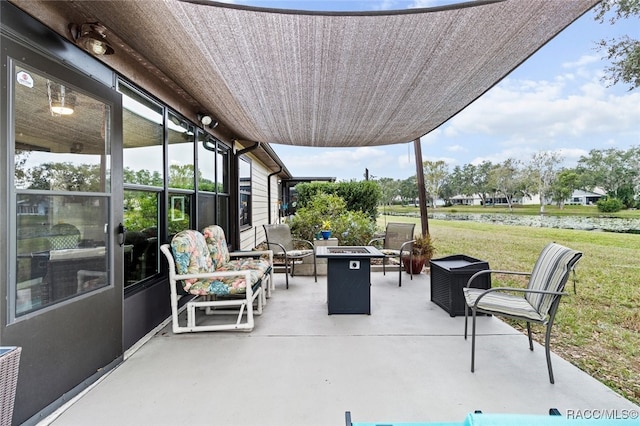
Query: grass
(598, 328)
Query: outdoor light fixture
(92, 38)
(207, 120)
(61, 100)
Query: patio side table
(449, 275)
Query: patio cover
(328, 79)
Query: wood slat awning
(328, 79)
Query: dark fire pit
(348, 278)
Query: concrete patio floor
(406, 362)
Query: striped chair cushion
(391, 252)
(503, 303)
(550, 273)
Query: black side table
(449, 275)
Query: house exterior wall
(261, 204)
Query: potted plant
(326, 229)
(422, 250)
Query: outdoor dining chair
(537, 303)
(396, 243)
(279, 240)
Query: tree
(563, 186)
(624, 52)
(388, 190)
(481, 183)
(613, 170)
(506, 178)
(435, 175)
(409, 189)
(542, 171)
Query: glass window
(61, 242)
(223, 159)
(206, 210)
(244, 173)
(143, 144)
(207, 147)
(181, 139)
(179, 212)
(142, 139)
(141, 217)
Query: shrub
(609, 205)
(359, 196)
(350, 227)
(308, 219)
(353, 228)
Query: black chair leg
(529, 334)
(473, 340)
(547, 341)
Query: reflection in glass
(141, 217)
(179, 212)
(61, 248)
(206, 210)
(245, 192)
(222, 168)
(142, 138)
(181, 140)
(67, 152)
(61, 150)
(223, 212)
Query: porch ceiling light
(92, 38)
(207, 120)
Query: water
(607, 224)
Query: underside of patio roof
(320, 79)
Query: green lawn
(597, 329)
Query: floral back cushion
(191, 255)
(217, 244)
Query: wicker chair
(396, 242)
(537, 303)
(64, 236)
(279, 240)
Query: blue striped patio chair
(537, 303)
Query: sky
(558, 100)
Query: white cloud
(457, 148)
(582, 61)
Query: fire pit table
(348, 278)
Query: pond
(608, 224)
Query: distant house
(579, 197)
(586, 198)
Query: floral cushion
(217, 243)
(294, 253)
(260, 265)
(191, 254)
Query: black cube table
(449, 275)
(348, 278)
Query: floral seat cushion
(294, 253)
(217, 244)
(191, 254)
